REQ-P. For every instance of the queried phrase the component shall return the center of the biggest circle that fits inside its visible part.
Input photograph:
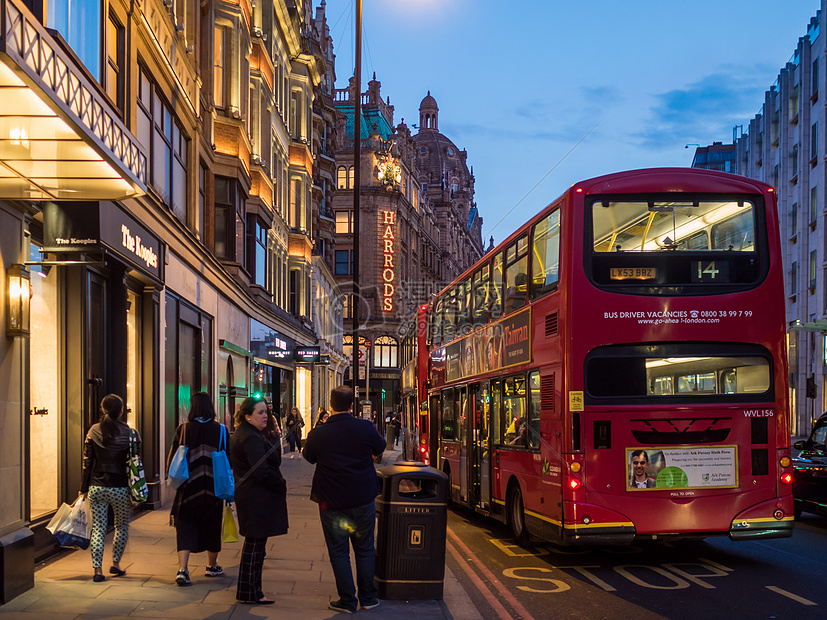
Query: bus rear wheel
(516, 516)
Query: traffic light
(257, 395)
(811, 386)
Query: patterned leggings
(99, 499)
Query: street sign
(366, 344)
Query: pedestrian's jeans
(354, 526)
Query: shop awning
(59, 137)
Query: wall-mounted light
(19, 296)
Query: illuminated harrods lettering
(388, 271)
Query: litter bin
(412, 514)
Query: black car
(810, 471)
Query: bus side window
(545, 255)
(534, 411)
(516, 274)
(495, 290)
(729, 384)
(496, 431)
(436, 322)
(480, 297)
(463, 305)
(514, 411)
(448, 415)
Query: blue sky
(543, 93)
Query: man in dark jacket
(345, 487)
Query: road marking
(486, 593)
(492, 578)
(790, 595)
(561, 586)
(506, 549)
(716, 572)
(592, 577)
(680, 584)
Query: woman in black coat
(260, 495)
(196, 512)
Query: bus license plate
(633, 273)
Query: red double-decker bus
(414, 391)
(616, 368)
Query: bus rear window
(678, 371)
(665, 245)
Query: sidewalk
(297, 575)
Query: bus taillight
(785, 461)
(574, 483)
(787, 478)
(423, 449)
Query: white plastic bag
(76, 528)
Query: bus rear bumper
(772, 519)
(588, 524)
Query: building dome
(428, 113)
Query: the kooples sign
(388, 252)
(90, 226)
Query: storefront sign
(388, 254)
(308, 355)
(93, 226)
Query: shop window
(385, 352)
(188, 353)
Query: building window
(160, 134)
(229, 223)
(257, 250)
(814, 144)
(200, 217)
(341, 178)
(347, 307)
(815, 81)
(343, 264)
(813, 207)
(344, 222)
(219, 62)
(793, 278)
(385, 352)
(114, 61)
(813, 271)
(80, 23)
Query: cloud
(705, 111)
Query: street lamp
(357, 182)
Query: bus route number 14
(710, 271)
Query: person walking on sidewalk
(105, 453)
(260, 496)
(345, 486)
(196, 511)
(294, 424)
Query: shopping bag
(229, 531)
(60, 516)
(76, 528)
(224, 484)
(135, 471)
(179, 470)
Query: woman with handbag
(293, 426)
(196, 511)
(105, 480)
(260, 495)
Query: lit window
(385, 352)
(218, 67)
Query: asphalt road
(713, 578)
